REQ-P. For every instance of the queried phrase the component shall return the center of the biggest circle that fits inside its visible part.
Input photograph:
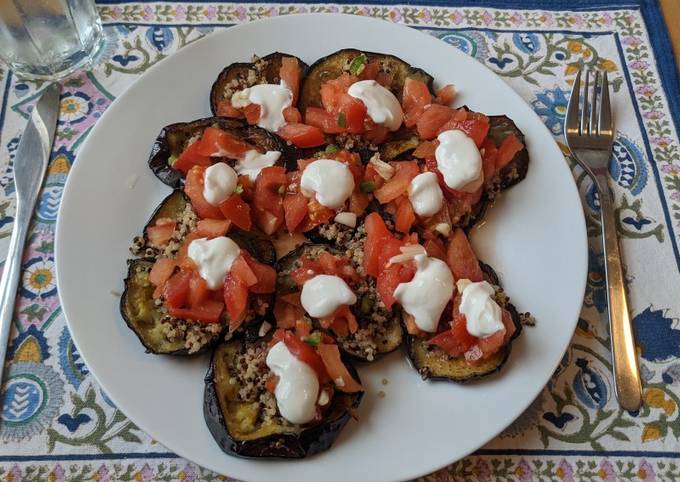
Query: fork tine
(572, 120)
(593, 106)
(584, 111)
(605, 124)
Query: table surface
(671, 12)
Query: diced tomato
(332, 91)
(295, 210)
(191, 157)
(212, 228)
(302, 327)
(411, 327)
(474, 129)
(226, 109)
(252, 112)
(217, 143)
(287, 315)
(193, 187)
(327, 122)
(266, 221)
(242, 272)
(270, 384)
(176, 289)
(162, 269)
(306, 354)
(426, 149)
(358, 202)
(405, 216)
(455, 341)
(491, 344)
(207, 312)
(336, 369)
(237, 211)
(159, 234)
(510, 146)
(302, 135)
(290, 74)
(236, 301)
(435, 249)
(307, 271)
(292, 115)
(461, 258)
(446, 95)
(376, 231)
(432, 120)
(415, 97)
(405, 171)
(318, 214)
(248, 188)
(198, 290)
(489, 156)
(265, 275)
(387, 282)
(370, 71)
(376, 134)
(268, 198)
(354, 112)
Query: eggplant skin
(282, 442)
(172, 140)
(433, 364)
(333, 65)
(240, 69)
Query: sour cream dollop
(382, 106)
(324, 294)
(483, 316)
(214, 258)
(253, 162)
(331, 181)
(458, 159)
(298, 387)
(219, 183)
(425, 194)
(428, 293)
(273, 99)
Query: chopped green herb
(358, 64)
(342, 121)
(239, 189)
(367, 186)
(172, 159)
(331, 149)
(314, 339)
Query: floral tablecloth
(57, 424)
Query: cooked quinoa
(253, 76)
(185, 224)
(195, 335)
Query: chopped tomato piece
(176, 289)
(435, 249)
(226, 109)
(370, 71)
(236, 301)
(217, 143)
(411, 326)
(292, 115)
(160, 234)
(455, 341)
(193, 187)
(358, 202)
(212, 228)
(266, 221)
(207, 312)
(240, 269)
(253, 112)
(405, 216)
(389, 278)
(295, 209)
(446, 95)
(265, 275)
(354, 112)
(426, 149)
(290, 75)
(302, 135)
(287, 315)
(489, 157)
(415, 97)
(318, 214)
(162, 269)
(306, 354)
(236, 210)
(510, 146)
(376, 134)
(376, 231)
(462, 259)
(336, 369)
(191, 157)
(405, 171)
(333, 90)
(270, 384)
(327, 122)
(432, 120)
(474, 129)
(198, 290)
(268, 198)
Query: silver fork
(590, 136)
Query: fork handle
(626, 370)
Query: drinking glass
(48, 39)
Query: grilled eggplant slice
(174, 138)
(433, 364)
(241, 75)
(241, 427)
(500, 127)
(337, 63)
(379, 331)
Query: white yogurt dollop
(213, 258)
(253, 162)
(219, 183)
(483, 316)
(381, 105)
(324, 294)
(331, 181)
(273, 99)
(458, 159)
(425, 194)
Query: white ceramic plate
(534, 237)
